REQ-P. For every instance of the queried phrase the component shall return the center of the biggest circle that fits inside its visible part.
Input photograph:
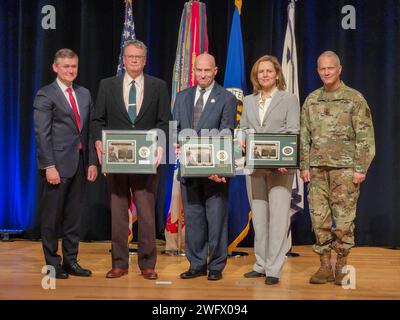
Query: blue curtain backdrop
(369, 56)
(17, 52)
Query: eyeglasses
(132, 57)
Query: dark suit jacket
(57, 133)
(110, 111)
(218, 113)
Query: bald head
(205, 57)
(205, 70)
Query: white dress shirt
(264, 105)
(139, 83)
(206, 94)
(64, 88)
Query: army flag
(192, 40)
(239, 213)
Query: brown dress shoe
(149, 274)
(116, 273)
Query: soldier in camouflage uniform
(337, 147)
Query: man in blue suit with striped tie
(205, 108)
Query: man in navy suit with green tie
(132, 101)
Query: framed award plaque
(205, 156)
(129, 151)
(272, 150)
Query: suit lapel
(208, 108)
(147, 97)
(82, 105)
(274, 103)
(64, 103)
(254, 109)
(190, 102)
(119, 96)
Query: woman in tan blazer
(270, 109)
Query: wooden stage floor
(377, 274)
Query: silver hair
(329, 54)
(135, 43)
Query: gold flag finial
(238, 4)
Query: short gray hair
(136, 43)
(64, 53)
(329, 54)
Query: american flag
(128, 33)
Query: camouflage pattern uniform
(337, 138)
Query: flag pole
(192, 41)
(128, 33)
(289, 70)
(239, 211)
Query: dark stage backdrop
(92, 28)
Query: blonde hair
(280, 83)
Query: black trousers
(62, 205)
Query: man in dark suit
(65, 155)
(204, 108)
(132, 101)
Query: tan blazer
(282, 116)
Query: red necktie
(75, 110)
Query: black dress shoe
(192, 273)
(253, 274)
(271, 280)
(61, 273)
(76, 270)
(214, 275)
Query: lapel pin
(212, 100)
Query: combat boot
(325, 271)
(341, 261)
